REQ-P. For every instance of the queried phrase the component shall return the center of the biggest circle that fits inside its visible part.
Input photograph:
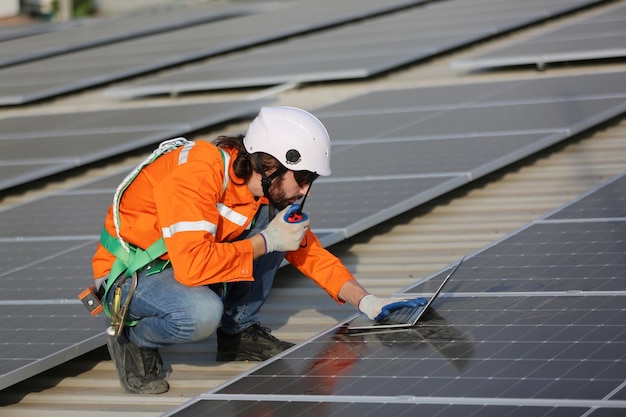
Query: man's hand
(376, 308)
(281, 236)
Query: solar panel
(447, 144)
(601, 36)
(579, 247)
(88, 33)
(46, 246)
(72, 213)
(363, 192)
(10, 32)
(564, 88)
(78, 70)
(551, 257)
(359, 50)
(509, 348)
(28, 331)
(607, 202)
(33, 147)
(513, 118)
(525, 350)
(47, 271)
(337, 408)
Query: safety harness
(130, 259)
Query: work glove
(281, 236)
(376, 308)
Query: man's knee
(208, 322)
(197, 320)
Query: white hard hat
(295, 137)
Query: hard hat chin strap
(266, 181)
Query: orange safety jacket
(181, 197)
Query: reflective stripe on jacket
(181, 198)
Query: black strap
(266, 181)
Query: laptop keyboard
(402, 315)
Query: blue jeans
(168, 312)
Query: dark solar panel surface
(33, 147)
(601, 36)
(29, 330)
(516, 347)
(455, 139)
(539, 346)
(337, 408)
(580, 247)
(73, 71)
(88, 33)
(551, 257)
(607, 202)
(47, 273)
(10, 32)
(359, 50)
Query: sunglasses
(304, 178)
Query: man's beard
(276, 194)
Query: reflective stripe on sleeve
(199, 226)
(231, 215)
(184, 153)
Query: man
(222, 211)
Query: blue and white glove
(376, 308)
(281, 236)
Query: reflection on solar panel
(33, 147)
(359, 50)
(419, 132)
(88, 33)
(601, 36)
(541, 350)
(70, 72)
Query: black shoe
(139, 369)
(253, 344)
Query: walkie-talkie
(295, 214)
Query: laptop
(402, 318)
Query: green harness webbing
(130, 262)
(130, 259)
